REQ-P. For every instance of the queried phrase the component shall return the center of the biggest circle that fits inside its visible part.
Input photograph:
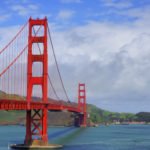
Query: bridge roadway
(6, 104)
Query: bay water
(113, 137)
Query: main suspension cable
(50, 38)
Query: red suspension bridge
(30, 84)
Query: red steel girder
(6, 104)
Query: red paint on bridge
(37, 111)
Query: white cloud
(71, 1)
(112, 59)
(65, 14)
(4, 17)
(116, 4)
(141, 14)
(25, 10)
(6, 35)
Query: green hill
(96, 115)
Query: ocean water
(114, 137)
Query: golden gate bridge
(24, 65)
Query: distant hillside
(10, 96)
(96, 115)
(143, 116)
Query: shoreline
(11, 124)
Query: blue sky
(70, 12)
(104, 43)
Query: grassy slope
(97, 115)
(17, 117)
(10, 116)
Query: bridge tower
(82, 118)
(36, 120)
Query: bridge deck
(6, 104)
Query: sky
(102, 43)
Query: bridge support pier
(36, 127)
(80, 120)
